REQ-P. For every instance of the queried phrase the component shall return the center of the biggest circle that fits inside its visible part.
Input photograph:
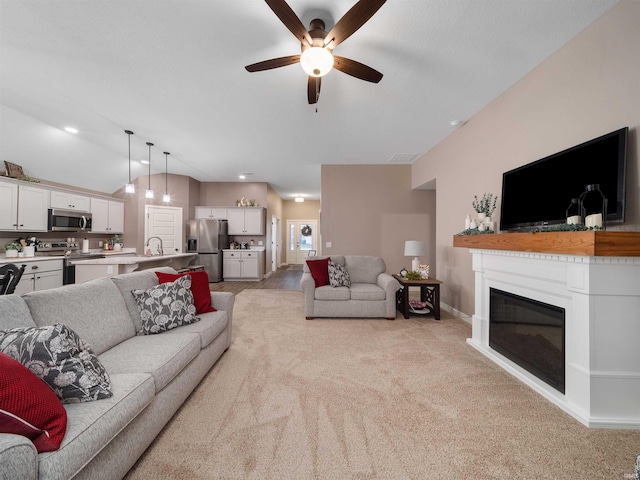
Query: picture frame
(423, 270)
(312, 253)
(13, 170)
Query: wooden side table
(429, 293)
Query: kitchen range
(69, 251)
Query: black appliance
(537, 194)
(68, 221)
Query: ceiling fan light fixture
(316, 61)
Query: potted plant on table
(11, 249)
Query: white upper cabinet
(211, 212)
(23, 207)
(70, 201)
(107, 216)
(246, 220)
(8, 206)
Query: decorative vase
(481, 217)
(11, 253)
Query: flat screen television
(538, 194)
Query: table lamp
(414, 248)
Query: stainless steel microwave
(68, 221)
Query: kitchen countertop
(129, 259)
(18, 260)
(255, 249)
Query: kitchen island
(115, 265)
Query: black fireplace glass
(529, 333)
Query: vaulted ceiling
(173, 72)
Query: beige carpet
(370, 399)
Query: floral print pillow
(57, 355)
(166, 306)
(338, 275)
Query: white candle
(574, 220)
(594, 220)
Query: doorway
(302, 236)
(165, 223)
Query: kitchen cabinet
(246, 220)
(40, 275)
(23, 207)
(242, 264)
(70, 201)
(107, 216)
(211, 212)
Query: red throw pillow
(199, 288)
(319, 271)
(28, 407)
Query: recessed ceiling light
(457, 123)
(145, 162)
(299, 199)
(242, 177)
(70, 129)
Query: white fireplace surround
(601, 298)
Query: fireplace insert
(529, 333)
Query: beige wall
(372, 210)
(588, 88)
(274, 210)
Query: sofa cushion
(29, 408)
(143, 280)
(58, 356)
(338, 275)
(208, 328)
(15, 313)
(366, 291)
(163, 356)
(319, 271)
(93, 425)
(199, 288)
(330, 293)
(166, 306)
(95, 310)
(363, 268)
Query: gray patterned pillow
(57, 355)
(166, 306)
(338, 275)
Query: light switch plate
(328, 244)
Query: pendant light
(129, 187)
(166, 198)
(149, 192)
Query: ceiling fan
(317, 45)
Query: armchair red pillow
(199, 288)
(319, 271)
(28, 407)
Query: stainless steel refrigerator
(207, 238)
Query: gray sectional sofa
(151, 375)
(372, 293)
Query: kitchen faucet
(160, 247)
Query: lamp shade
(414, 248)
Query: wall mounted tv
(538, 194)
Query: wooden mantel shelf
(589, 243)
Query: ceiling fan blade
(356, 69)
(352, 21)
(290, 19)
(313, 89)
(273, 63)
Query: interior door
(166, 223)
(301, 237)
